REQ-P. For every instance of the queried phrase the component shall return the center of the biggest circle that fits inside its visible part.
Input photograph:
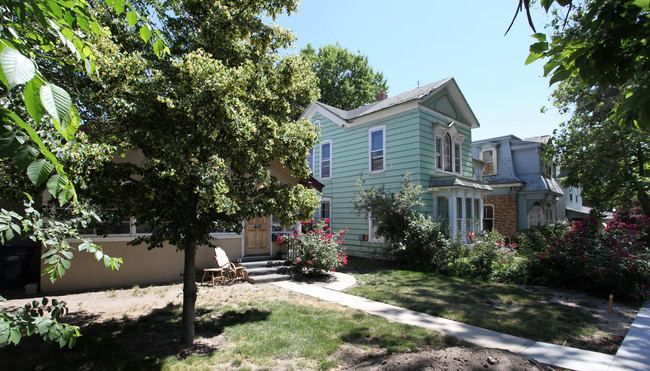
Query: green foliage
(425, 246)
(345, 79)
(608, 162)
(602, 43)
(210, 123)
(38, 126)
(476, 260)
(317, 250)
(40, 318)
(390, 210)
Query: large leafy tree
(345, 79)
(608, 161)
(39, 141)
(602, 43)
(209, 120)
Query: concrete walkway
(634, 353)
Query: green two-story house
(425, 131)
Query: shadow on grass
(123, 344)
(503, 308)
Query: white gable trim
(458, 99)
(384, 113)
(314, 108)
(442, 116)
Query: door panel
(258, 237)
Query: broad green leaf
(95, 27)
(56, 183)
(34, 137)
(9, 234)
(86, 52)
(24, 156)
(158, 47)
(17, 68)
(132, 18)
(60, 270)
(118, 5)
(539, 47)
(560, 74)
(108, 261)
(55, 8)
(67, 33)
(57, 102)
(66, 263)
(32, 98)
(8, 146)
(67, 254)
(539, 36)
(145, 33)
(88, 65)
(15, 336)
(83, 22)
(99, 255)
(39, 170)
(68, 193)
(532, 57)
(70, 124)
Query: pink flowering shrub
(616, 261)
(317, 249)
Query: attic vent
(382, 96)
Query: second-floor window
(488, 156)
(377, 139)
(448, 154)
(326, 159)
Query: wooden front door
(258, 237)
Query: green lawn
(243, 329)
(500, 307)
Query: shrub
(476, 260)
(424, 247)
(509, 265)
(317, 250)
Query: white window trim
(494, 159)
(455, 139)
(371, 236)
(320, 162)
(381, 128)
(320, 207)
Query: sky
(413, 42)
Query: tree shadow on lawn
(124, 344)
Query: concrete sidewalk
(634, 353)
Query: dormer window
(489, 156)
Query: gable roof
(343, 117)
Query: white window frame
(441, 154)
(381, 128)
(329, 209)
(324, 143)
(494, 160)
(371, 235)
(310, 159)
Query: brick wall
(505, 214)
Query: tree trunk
(189, 293)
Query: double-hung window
(326, 159)
(325, 210)
(377, 149)
(489, 156)
(448, 154)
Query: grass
(499, 307)
(237, 328)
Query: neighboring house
(570, 205)
(142, 266)
(425, 131)
(525, 191)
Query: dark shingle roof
(414, 94)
